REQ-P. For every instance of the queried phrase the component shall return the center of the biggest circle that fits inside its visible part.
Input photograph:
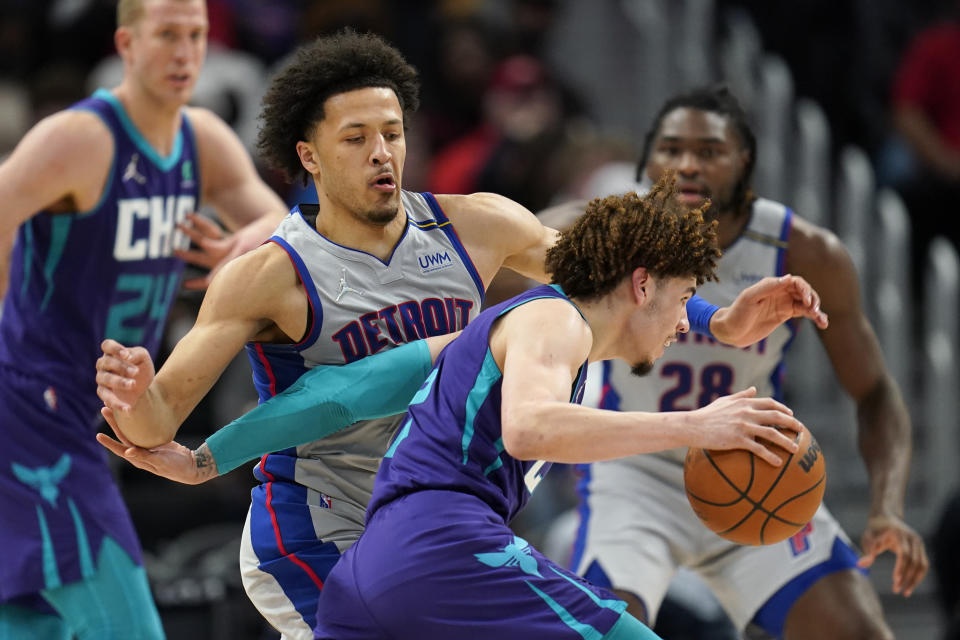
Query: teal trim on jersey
(488, 376)
(17, 623)
(83, 544)
(400, 438)
(614, 604)
(104, 195)
(163, 163)
(60, 229)
(27, 256)
(424, 392)
(629, 628)
(51, 575)
(586, 631)
(115, 602)
(496, 464)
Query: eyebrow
(708, 140)
(692, 291)
(361, 125)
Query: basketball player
(100, 192)
(437, 559)
(637, 526)
(370, 267)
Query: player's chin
(642, 368)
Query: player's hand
(764, 306)
(171, 460)
(123, 374)
(891, 533)
(214, 248)
(743, 421)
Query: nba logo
(50, 397)
(326, 501)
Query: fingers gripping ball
(746, 500)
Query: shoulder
(812, 247)
(492, 215)
(207, 126)
(75, 132)
(548, 325)
(255, 279)
(488, 205)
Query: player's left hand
(891, 533)
(214, 249)
(764, 306)
(171, 460)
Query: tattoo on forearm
(204, 460)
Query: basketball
(746, 500)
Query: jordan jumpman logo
(344, 287)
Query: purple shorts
(443, 564)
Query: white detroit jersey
(636, 526)
(696, 370)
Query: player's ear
(640, 285)
(308, 157)
(122, 38)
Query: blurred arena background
(548, 100)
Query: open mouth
(384, 182)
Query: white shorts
(637, 528)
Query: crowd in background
(501, 112)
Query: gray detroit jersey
(359, 306)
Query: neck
(732, 223)
(606, 324)
(157, 123)
(339, 225)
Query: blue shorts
(443, 564)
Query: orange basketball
(746, 500)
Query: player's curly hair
(621, 233)
(345, 61)
(714, 99)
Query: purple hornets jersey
(109, 272)
(75, 279)
(451, 438)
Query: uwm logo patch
(430, 262)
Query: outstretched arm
(884, 429)
(322, 401)
(150, 409)
(539, 347)
(764, 306)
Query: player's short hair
(715, 99)
(330, 65)
(621, 233)
(129, 11)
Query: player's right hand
(171, 460)
(743, 421)
(123, 374)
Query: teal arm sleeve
(323, 401)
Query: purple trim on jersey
(296, 210)
(585, 471)
(451, 233)
(784, 237)
(776, 376)
(277, 366)
(773, 614)
(609, 398)
(316, 306)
